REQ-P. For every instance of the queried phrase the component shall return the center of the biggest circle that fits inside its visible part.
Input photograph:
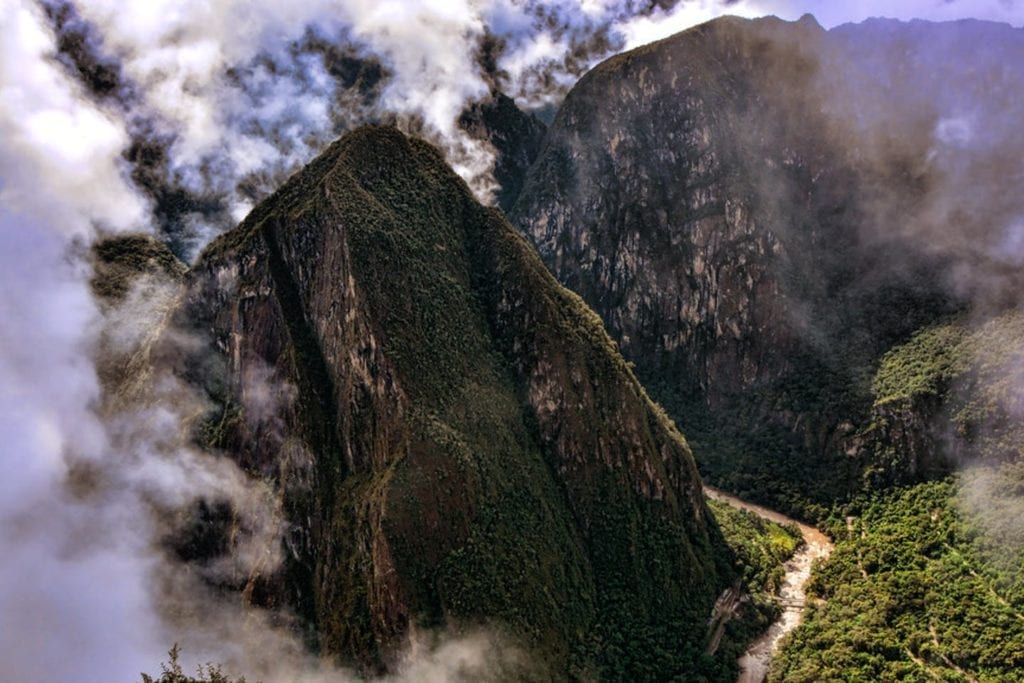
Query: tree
(171, 672)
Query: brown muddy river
(755, 661)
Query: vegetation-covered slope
(456, 437)
(927, 582)
(951, 394)
(914, 592)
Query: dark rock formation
(758, 216)
(515, 135)
(456, 439)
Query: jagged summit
(456, 438)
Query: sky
(228, 97)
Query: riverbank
(792, 595)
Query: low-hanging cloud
(232, 97)
(60, 177)
(188, 114)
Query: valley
(916, 590)
(791, 594)
(463, 377)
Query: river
(754, 662)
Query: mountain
(455, 438)
(515, 135)
(759, 210)
(806, 245)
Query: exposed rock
(455, 437)
(515, 135)
(702, 193)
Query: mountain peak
(470, 438)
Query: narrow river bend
(754, 662)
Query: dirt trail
(754, 662)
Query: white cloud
(179, 53)
(647, 29)
(59, 156)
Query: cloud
(58, 176)
(75, 599)
(57, 143)
(213, 103)
(179, 56)
(640, 30)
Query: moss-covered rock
(457, 439)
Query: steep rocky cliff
(456, 440)
(758, 216)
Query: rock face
(456, 438)
(755, 232)
(516, 136)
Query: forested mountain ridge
(455, 438)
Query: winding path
(754, 662)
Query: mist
(175, 119)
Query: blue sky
(831, 13)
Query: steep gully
(791, 595)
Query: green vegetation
(948, 395)
(917, 589)
(484, 454)
(760, 548)
(966, 381)
(924, 366)
(763, 461)
(171, 672)
(927, 581)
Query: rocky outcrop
(703, 196)
(456, 440)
